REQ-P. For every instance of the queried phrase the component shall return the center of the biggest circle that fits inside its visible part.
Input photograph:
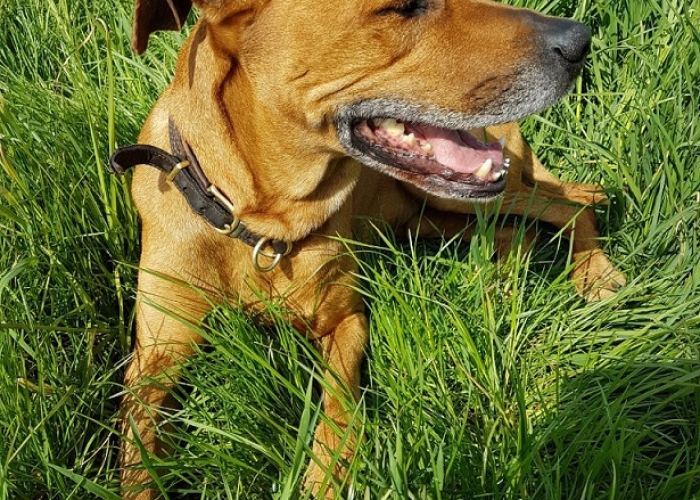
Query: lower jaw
(431, 184)
(434, 185)
(451, 190)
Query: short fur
(266, 92)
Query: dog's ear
(155, 15)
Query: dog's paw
(595, 278)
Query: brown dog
(308, 116)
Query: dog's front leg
(593, 275)
(334, 439)
(533, 191)
(163, 341)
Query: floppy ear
(155, 15)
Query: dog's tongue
(458, 150)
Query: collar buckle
(235, 228)
(176, 170)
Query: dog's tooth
(484, 169)
(427, 147)
(393, 127)
(502, 142)
(409, 139)
(506, 163)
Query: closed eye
(406, 8)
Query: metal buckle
(276, 257)
(176, 170)
(235, 228)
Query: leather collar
(183, 170)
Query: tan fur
(255, 91)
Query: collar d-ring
(276, 257)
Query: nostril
(574, 54)
(560, 41)
(571, 41)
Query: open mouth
(448, 163)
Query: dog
(289, 123)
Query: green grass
(483, 380)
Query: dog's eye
(406, 8)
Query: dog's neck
(215, 108)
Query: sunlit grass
(483, 380)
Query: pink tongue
(458, 150)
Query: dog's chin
(426, 151)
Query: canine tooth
(484, 169)
(502, 142)
(393, 127)
(409, 139)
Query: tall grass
(484, 380)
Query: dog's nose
(568, 40)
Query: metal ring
(257, 251)
(234, 229)
(288, 250)
(219, 196)
(176, 170)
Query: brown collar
(183, 170)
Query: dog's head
(396, 84)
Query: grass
(483, 380)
